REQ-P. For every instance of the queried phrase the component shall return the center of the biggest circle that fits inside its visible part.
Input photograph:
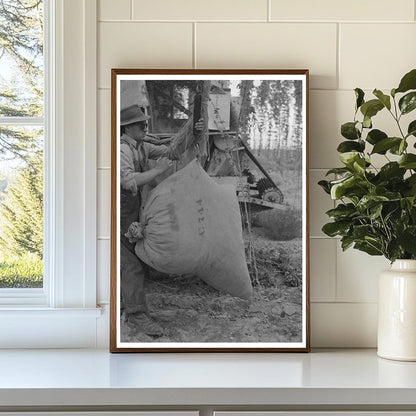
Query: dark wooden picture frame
(218, 258)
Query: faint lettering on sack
(201, 217)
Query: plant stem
(397, 118)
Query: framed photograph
(209, 212)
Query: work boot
(145, 324)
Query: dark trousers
(132, 270)
(132, 275)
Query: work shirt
(134, 159)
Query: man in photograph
(135, 179)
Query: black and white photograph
(209, 214)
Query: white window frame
(64, 312)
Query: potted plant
(376, 209)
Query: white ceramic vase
(397, 312)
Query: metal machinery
(230, 159)
(229, 162)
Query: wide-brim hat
(132, 114)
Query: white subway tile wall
(352, 10)
(142, 45)
(328, 109)
(104, 128)
(323, 268)
(270, 45)
(338, 325)
(357, 275)
(367, 50)
(114, 10)
(200, 10)
(344, 44)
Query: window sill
(36, 312)
(40, 327)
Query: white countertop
(96, 377)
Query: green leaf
(361, 231)
(413, 210)
(408, 161)
(368, 248)
(411, 180)
(359, 165)
(348, 158)
(342, 211)
(391, 170)
(349, 146)
(412, 201)
(338, 189)
(392, 196)
(368, 201)
(393, 250)
(408, 102)
(325, 186)
(411, 184)
(340, 180)
(407, 239)
(371, 108)
(359, 95)
(391, 212)
(385, 99)
(375, 136)
(398, 149)
(383, 145)
(402, 147)
(346, 242)
(375, 211)
(336, 228)
(338, 171)
(411, 130)
(374, 242)
(367, 122)
(349, 131)
(408, 82)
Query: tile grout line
(269, 11)
(131, 9)
(323, 237)
(336, 270)
(194, 62)
(338, 63)
(307, 22)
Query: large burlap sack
(192, 225)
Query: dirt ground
(190, 311)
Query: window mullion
(22, 121)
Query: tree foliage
(21, 225)
(21, 80)
(21, 95)
(278, 113)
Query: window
(63, 312)
(21, 143)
